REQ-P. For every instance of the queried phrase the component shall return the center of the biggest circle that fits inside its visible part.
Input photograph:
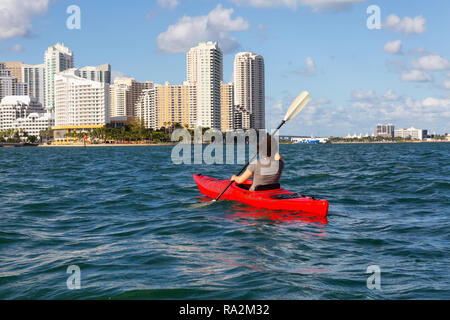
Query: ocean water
(135, 225)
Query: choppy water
(131, 221)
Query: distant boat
(309, 142)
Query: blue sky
(356, 77)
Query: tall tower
(249, 89)
(227, 107)
(57, 58)
(33, 76)
(205, 70)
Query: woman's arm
(244, 177)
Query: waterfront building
(16, 107)
(227, 106)
(385, 130)
(100, 73)
(80, 102)
(205, 70)
(413, 133)
(146, 109)
(249, 89)
(166, 105)
(57, 58)
(33, 76)
(34, 123)
(124, 94)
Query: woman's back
(266, 172)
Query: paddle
(296, 107)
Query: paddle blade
(299, 103)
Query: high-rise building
(146, 109)
(99, 73)
(124, 93)
(80, 102)
(166, 105)
(8, 86)
(33, 76)
(249, 89)
(385, 130)
(205, 70)
(57, 58)
(16, 70)
(227, 106)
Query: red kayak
(279, 199)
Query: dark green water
(132, 222)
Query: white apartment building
(417, 134)
(124, 94)
(34, 123)
(249, 89)
(16, 107)
(33, 76)
(80, 102)
(146, 108)
(205, 70)
(57, 58)
(100, 73)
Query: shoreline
(105, 145)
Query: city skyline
(398, 74)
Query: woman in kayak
(266, 170)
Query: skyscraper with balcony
(227, 107)
(80, 102)
(249, 89)
(33, 76)
(205, 70)
(57, 58)
(99, 73)
(125, 93)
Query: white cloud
(361, 95)
(434, 102)
(315, 5)
(309, 69)
(447, 85)
(431, 62)
(416, 76)
(118, 74)
(16, 16)
(363, 111)
(407, 25)
(17, 48)
(189, 31)
(401, 110)
(170, 4)
(394, 47)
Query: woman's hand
(234, 178)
